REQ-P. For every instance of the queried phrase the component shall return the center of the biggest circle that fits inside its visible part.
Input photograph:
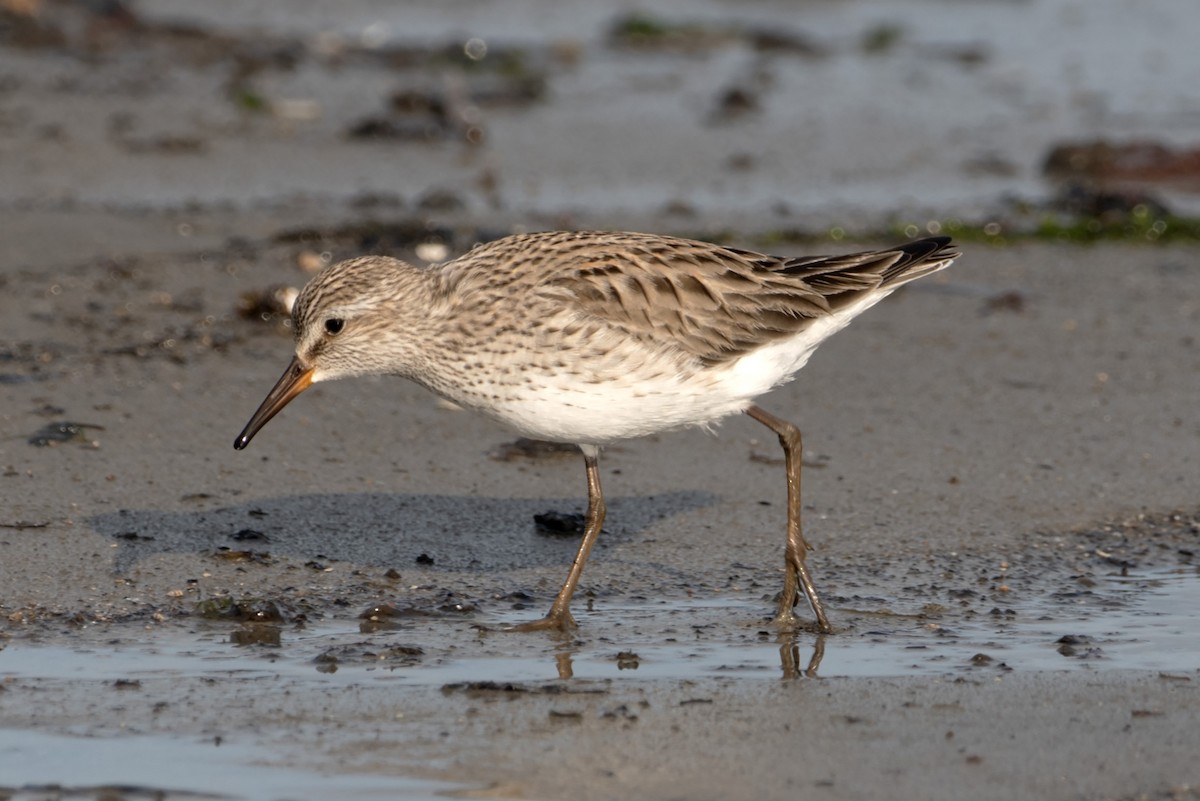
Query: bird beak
(295, 379)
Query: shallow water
(1145, 623)
(1148, 623)
(161, 768)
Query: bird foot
(786, 620)
(560, 621)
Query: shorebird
(591, 338)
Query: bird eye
(334, 325)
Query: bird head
(348, 321)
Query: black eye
(334, 325)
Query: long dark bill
(295, 379)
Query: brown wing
(719, 303)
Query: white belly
(629, 392)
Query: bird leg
(559, 616)
(796, 575)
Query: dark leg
(559, 616)
(796, 575)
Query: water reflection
(1136, 622)
(789, 656)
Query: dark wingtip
(930, 244)
(241, 442)
(928, 249)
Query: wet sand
(1020, 453)
(1001, 479)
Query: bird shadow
(453, 532)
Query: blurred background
(783, 118)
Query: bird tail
(917, 259)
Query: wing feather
(711, 304)
(717, 303)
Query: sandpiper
(594, 337)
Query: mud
(324, 710)
(1000, 464)
(989, 540)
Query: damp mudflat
(188, 163)
(264, 704)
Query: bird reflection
(789, 656)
